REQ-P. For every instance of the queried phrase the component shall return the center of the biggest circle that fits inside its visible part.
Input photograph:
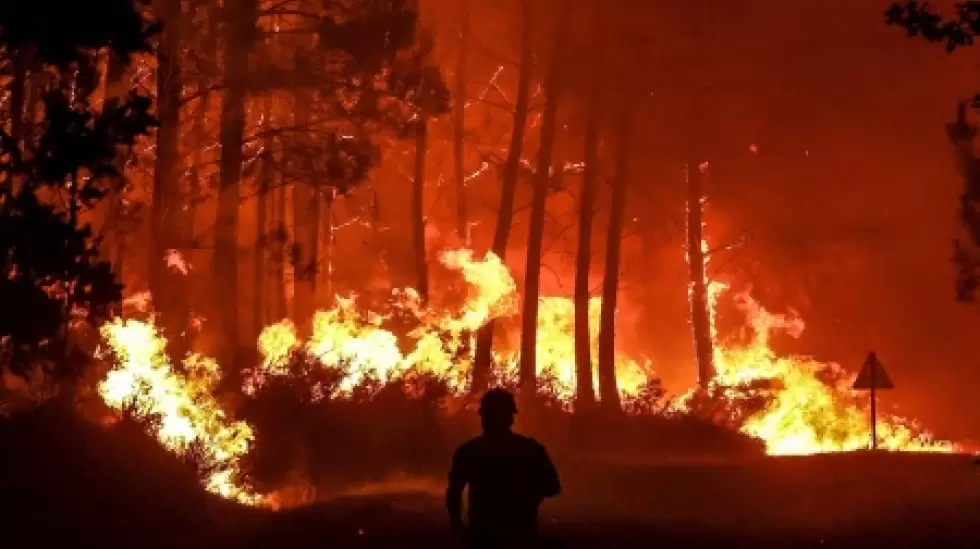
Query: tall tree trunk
(166, 195)
(585, 392)
(608, 390)
(240, 20)
(18, 102)
(459, 123)
(418, 208)
(483, 361)
(329, 245)
(18, 92)
(584, 389)
(305, 217)
(115, 71)
(279, 222)
(260, 254)
(317, 263)
(191, 194)
(535, 238)
(700, 314)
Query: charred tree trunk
(260, 253)
(115, 71)
(483, 361)
(696, 259)
(305, 219)
(18, 93)
(166, 194)
(279, 279)
(584, 390)
(418, 208)
(240, 20)
(186, 238)
(18, 102)
(608, 390)
(459, 124)
(317, 261)
(535, 239)
(329, 248)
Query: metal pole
(874, 417)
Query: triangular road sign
(873, 376)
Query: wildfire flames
(187, 416)
(807, 406)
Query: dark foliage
(76, 139)
(65, 33)
(53, 276)
(373, 76)
(920, 19)
(52, 270)
(408, 427)
(88, 479)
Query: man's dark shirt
(508, 476)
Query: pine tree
(919, 19)
(52, 264)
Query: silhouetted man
(508, 477)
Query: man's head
(497, 410)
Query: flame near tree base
(795, 405)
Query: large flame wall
(807, 405)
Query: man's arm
(550, 485)
(454, 493)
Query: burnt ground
(857, 500)
(64, 483)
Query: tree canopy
(54, 275)
(921, 19)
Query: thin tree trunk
(329, 248)
(700, 315)
(240, 18)
(115, 70)
(608, 390)
(317, 263)
(305, 219)
(18, 101)
(279, 280)
(483, 361)
(585, 392)
(535, 239)
(166, 195)
(191, 195)
(18, 92)
(584, 387)
(418, 208)
(459, 123)
(260, 254)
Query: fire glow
(803, 412)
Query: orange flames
(808, 406)
(182, 405)
(357, 341)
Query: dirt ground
(857, 500)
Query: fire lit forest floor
(76, 485)
(856, 500)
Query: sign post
(872, 378)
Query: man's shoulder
(468, 445)
(513, 441)
(529, 443)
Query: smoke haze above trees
(811, 161)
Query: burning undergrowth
(363, 392)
